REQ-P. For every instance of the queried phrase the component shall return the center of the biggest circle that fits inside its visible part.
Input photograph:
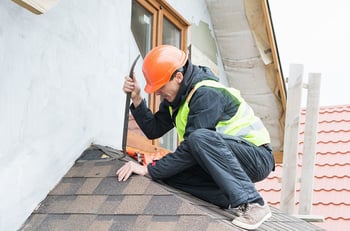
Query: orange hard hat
(159, 64)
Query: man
(224, 148)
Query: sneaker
(237, 211)
(251, 216)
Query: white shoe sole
(252, 226)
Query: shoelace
(240, 210)
(243, 208)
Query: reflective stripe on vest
(243, 124)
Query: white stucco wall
(61, 75)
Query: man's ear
(179, 77)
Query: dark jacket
(207, 107)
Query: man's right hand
(131, 86)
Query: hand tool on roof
(141, 156)
(145, 158)
(127, 105)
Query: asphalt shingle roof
(89, 197)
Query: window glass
(141, 26)
(171, 34)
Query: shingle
(100, 169)
(100, 225)
(156, 189)
(163, 223)
(133, 204)
(142, 222)
(188, 209)
(163, 205)
(89, 186)
(55, 204)
(34, 222)
(111, 186)
(137, 185)
(78, 222)
(86, 204)
(121, 223)
(193, 223)
(165, 218)
(80, 169)
(68, 186)
(53, 222)
(110, 205)
(221, 226)
(65, 222)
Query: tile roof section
(89, 197)
(331, 196)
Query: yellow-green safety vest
(243, 124)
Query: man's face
(170, 90)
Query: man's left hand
(131, 167)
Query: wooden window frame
(160, 9)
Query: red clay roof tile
(331, 196)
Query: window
(171, 35)
(155, 22)
(141, 24)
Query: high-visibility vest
(243, 124)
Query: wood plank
(275, 56)
(309, 151)
(290, 150)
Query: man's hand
(132, 86)
(131, 167)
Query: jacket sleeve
(207, 107)
(152, 125)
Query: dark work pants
(226, 169)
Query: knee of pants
(200, 135)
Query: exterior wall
(61, 75)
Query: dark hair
(181, 69)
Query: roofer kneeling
(224, 148)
